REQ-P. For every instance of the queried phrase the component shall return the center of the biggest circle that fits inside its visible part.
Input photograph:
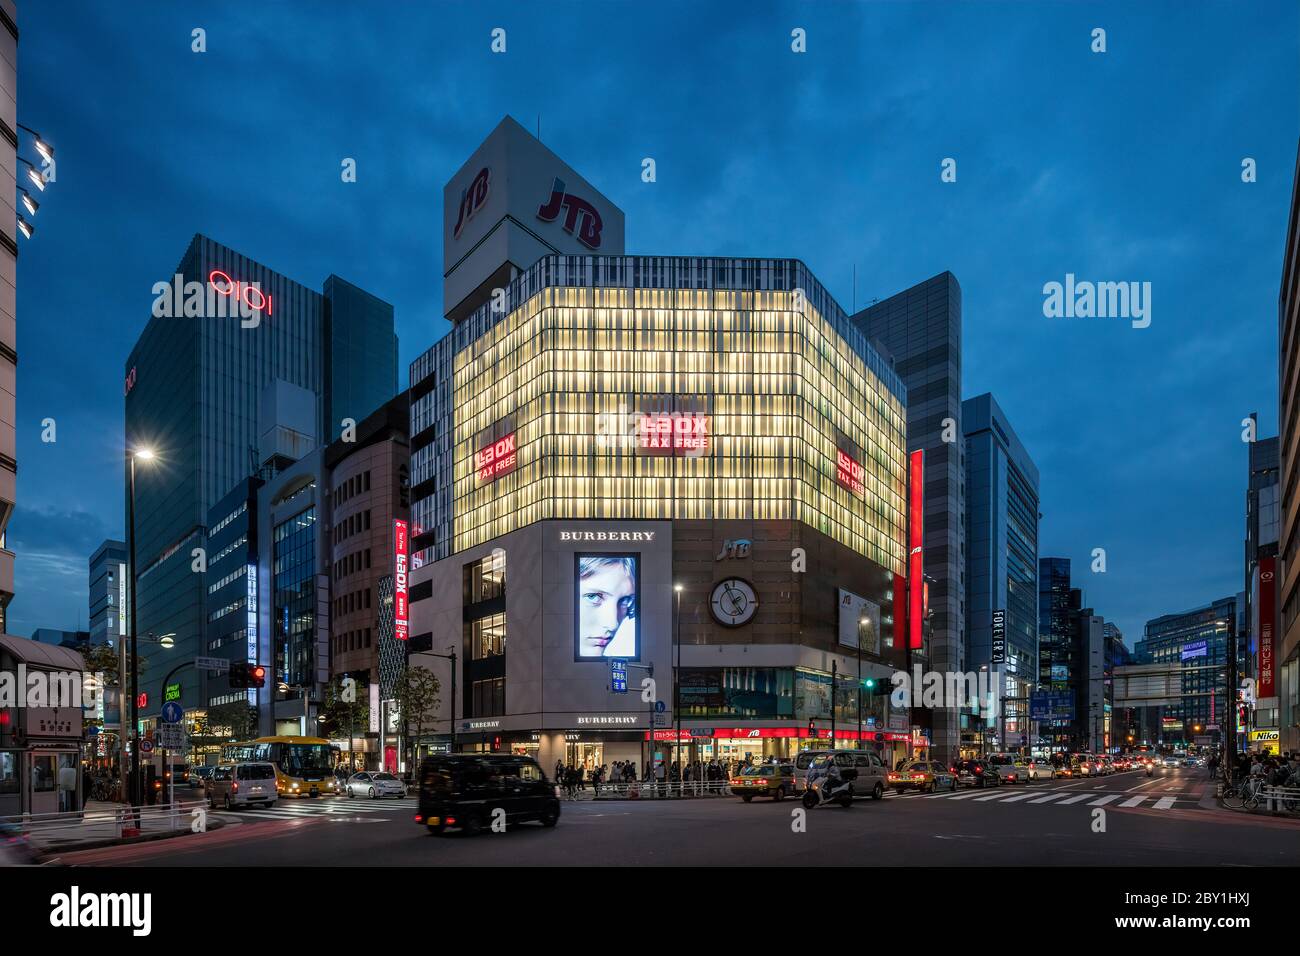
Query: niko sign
(401, 595)
(250, 295)
(472, 200)
(496, 459)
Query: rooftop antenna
(539, 127)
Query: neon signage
(249, 294)
(472, 200)
(673, 432)
(849, 473)
(130, 382)
(401, 596)
(915, 557)
(496, 459)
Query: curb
(44, 854)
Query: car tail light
(762, 783)
(979, 769)
(234, 787)
(451, 821)
(419, 819)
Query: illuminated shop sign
(401, 605)
(496, 459)
(130, 382)
(1194, 649)
(671, 432)
(1266, 658)
(171, 692)
(249, 294)
(999, 636)
(472, 200)
(850, 473)
(915, 542)
(581, 220)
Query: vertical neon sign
(401, 618)
(915, 540)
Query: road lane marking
(1019, 796)
(1102, 801)
(1050, 796)
(991, 796)
(1165, 803)
(1134, 801)
(964, 796)
(1082, 796)
(1141, 785)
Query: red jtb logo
(472, 200)
(581, 215)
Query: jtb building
(695, 465)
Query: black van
(467, 790)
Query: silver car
(374, 784)
(242, 785)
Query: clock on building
(733, 602)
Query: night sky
(1122, 166)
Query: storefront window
(745, 692)
(44, 779)
(8, 771)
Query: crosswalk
(340, 808)
(1167, 799)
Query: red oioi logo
(472, 200)
(251, 295)
(581, 219)
(130, 382)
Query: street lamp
(677, 684)
(142, 454)
(39, 144)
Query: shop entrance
(588, 755)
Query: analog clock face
(733, 602)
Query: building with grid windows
(618, 457)
(1001, 570)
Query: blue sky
(1117, 166)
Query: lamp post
(677, 684)
(451, 657)
(143, 454)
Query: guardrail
(104, 822)
(1280, 799)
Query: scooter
(824, 790)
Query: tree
(417, 697)
(230, 722)
(339, 717)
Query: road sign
(661, 719)
(660, 707)
(212, 663)
(171, 737)
(172, 712)
(618, 676)
(146, 745)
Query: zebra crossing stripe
(1165, 803)
(1082, 796)
(1050, 796)
(1019, 796)
(991, 796)
(1102, 801)
(1133, 801)
(963, 796)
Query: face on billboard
(608, 624)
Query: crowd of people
(1276, 770)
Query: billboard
(1266, 685)
(915, 543)
(684, 433)
(850, 473)
(1194, 649)
(854, 610)
(401, 603)
(606, 619)
(495, 459)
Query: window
(485, 579)
(489, 697)
(44, 778)
(487, 637)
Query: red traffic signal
(256, 676)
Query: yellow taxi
(764, 780)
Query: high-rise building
(1194, 643)
(108, 591)
(616, 454)
(920, 328)
(1260, 639)
(1287, 652)
(1001, 569)
(1074, 645)
(223, 328)
(8, 294)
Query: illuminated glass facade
(587, 346)
(295, 597)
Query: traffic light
(256, 676)
(875, 687)
(238, 675)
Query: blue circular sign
(660, 707)
(172, 712)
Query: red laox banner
(1267, 685)
(672, 432)
(915, 540)
(849, 473)
(401, 602)
(496, 459)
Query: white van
(242, 785)
(872, 776)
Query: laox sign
(496, 459)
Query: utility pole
(835, 671)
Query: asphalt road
(1121, 820)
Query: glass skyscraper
(222, 329)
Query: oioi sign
(250, 295)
